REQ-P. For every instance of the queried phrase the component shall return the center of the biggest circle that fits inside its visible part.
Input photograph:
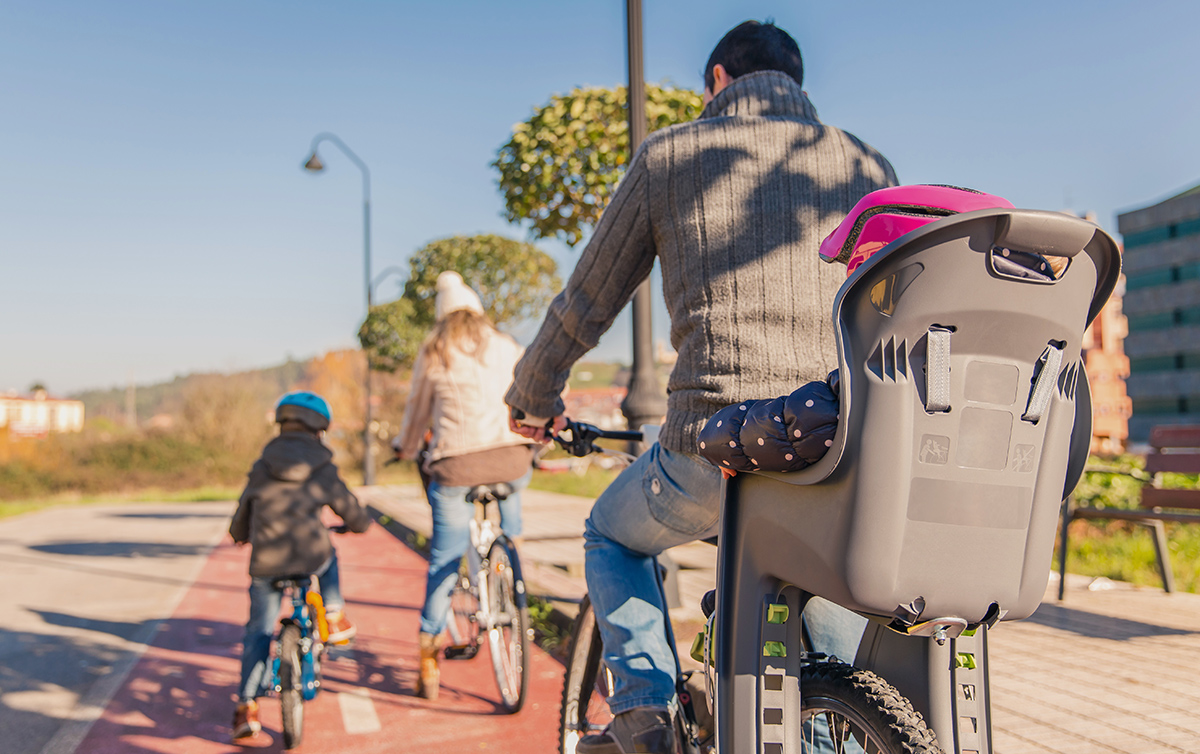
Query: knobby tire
(583, 711)
(862, 707)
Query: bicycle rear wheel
(291, 701)
(846, 709)
(508, 627)
(587, 684)
(463, 623)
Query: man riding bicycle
(734, 206)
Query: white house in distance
(38, 415)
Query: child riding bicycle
(279, 514)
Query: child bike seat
(962, 394)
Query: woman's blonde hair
(464, 329)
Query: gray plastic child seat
(940, 492)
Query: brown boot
(245, 721)
(427, 684)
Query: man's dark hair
(754, 46)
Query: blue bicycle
(299, 650)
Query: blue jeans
(451, 537)
(260, 628)
(662, 500)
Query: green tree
(514, 280)
(561, 166)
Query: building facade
(38, 415)
(1108, 369)
(1162, 305)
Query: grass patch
(1122, 550)
(588, 484)
(549, 634)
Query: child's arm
(343, 502)
(788, 433)
(239, 527)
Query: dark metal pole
(315, 165)
(368, 445)
(645, 402)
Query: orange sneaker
(245, 721)
(341, 630)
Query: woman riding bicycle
(457, 392)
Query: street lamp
(645, 402)
(314, 164)
(385, 272)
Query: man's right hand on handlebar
(536, 428)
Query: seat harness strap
(1046, 375)
(937, 370)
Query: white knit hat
(453, 294)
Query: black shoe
(646, 730)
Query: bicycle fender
(515, 561)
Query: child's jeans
(260, 629)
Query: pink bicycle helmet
(882, 216)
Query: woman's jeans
(260, 629)
(662, 500)
(451, 537)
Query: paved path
(1113, 670)
(124, 622)
(157, 675)
(85, 590)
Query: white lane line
(358, 712)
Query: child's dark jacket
(788, 433)
(279, 513)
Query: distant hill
(167, 397)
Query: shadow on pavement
(169, 516)
(66, 565)
(39, 674)
(121, 549)
(1097, 626)
(122, 629)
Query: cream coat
(463, 402)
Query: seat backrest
(958, 405)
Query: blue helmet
(308, 408)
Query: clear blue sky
(154, 219)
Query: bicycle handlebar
(584, 436)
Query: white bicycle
(488, 602)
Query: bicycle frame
(310, 646)
(484, 533)
(758, 621)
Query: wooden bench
(1174, 448)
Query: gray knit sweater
(734, 206)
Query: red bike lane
(178, 698)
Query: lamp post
(315, 165)
(385, 272)
(644, 403)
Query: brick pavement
(1112, 670)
